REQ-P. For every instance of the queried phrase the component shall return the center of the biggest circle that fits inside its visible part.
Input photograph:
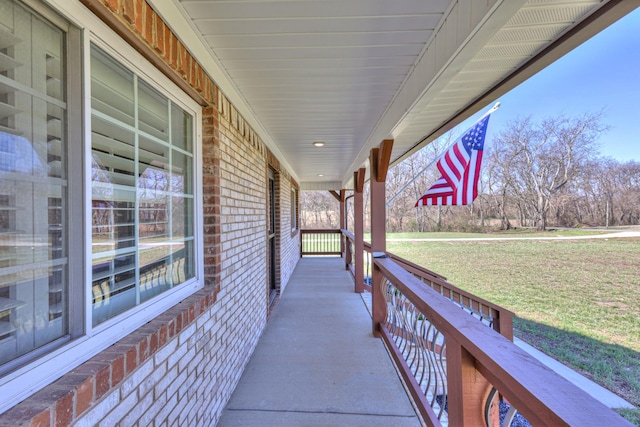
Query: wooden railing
(460, 372)
(320, 242)
(499, 318)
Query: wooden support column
(467, 389)
(341, 197)
(358, 231)
(343, 209)
(379, 160)
(343, 224)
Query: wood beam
(384, 158)
(358, 180)
(335, 194)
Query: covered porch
(317, 362)
(444, 357)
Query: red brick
(178, 323)
(84, 396)
(138, 21)
(131, 360)
(43, 419)
(64, 410)
(172, 329)
(149, 15)
(159, 35)
(153, 343)
(117, 370)
(184, 59)
(162, 335)
(28, 410)
(166, 55)
(103, 381)
(200, 79)
(128, 11)
(112, 4)
(143, 352)
(192, 73)
(175, 43)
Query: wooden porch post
(467, 388)
(343, 217)
(379, 160)
(358, 231)
(340, 197)
(344, 248)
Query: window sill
(77, 390)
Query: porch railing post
(347, 251)
(358, 231)
(467, 389)
(343, 221)
(379, 161)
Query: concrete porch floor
(317, 363)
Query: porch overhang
(353, 73)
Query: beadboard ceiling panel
(354, 72)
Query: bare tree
(538, 160)
(319, 209)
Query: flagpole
(490, 111)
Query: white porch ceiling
(354, 72)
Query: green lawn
(519, 232)
(576, 300)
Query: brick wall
(288, 242)
(181, 368)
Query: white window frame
(24, 381)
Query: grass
(576, 300)
(517, 232)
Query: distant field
(576, 300)
(521, 232)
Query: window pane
(181, 129)
(182, 218)
(111, 88)
(113, 286)
(33, 187)
(186, 267)
(153, 111)
(139, 229)
(182, 177)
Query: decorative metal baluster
(508, 415)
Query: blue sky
(601, 74)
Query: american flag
(460, 170)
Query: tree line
(546, 173)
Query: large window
(98, 193)
(34, 258)
(142, 190)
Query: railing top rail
(442, 281)
(348, 234)
(435, 278)
(541, 395)
(321, 231)
(406, 263)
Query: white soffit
(354, 72)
